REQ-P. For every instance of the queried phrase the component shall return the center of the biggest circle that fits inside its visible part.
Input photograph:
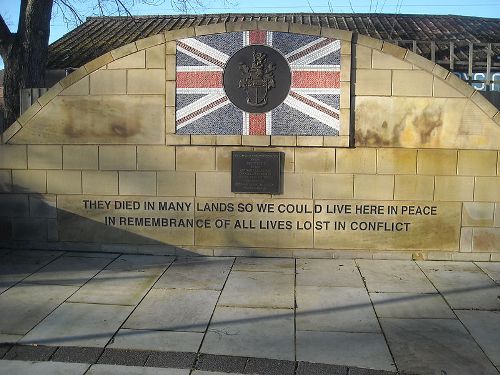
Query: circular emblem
(257, 78)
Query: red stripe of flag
(257, 122)
(315, 79)
(199, 79)
(257, 37)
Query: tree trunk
(26, 58)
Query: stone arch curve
(481, 115)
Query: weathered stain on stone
(423, 122)
(133, 119)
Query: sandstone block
(170, 63)
(256, 140)
(155, 158)
(297, 186)
(135, 60)
(99, 182)
(223, 157)
(170, 93)
(29, 113)
(150, 41)
(81, 87)
(106, 82)
(117, 157)
(146, 81)
(195, 158)
(396, 161)
(437, 162)
(412, 83)
(477, 163)
(44, 157)
(5, 181)
(228, 140)
(314, 160)
(207, 140)
(363, 57)
(177, 139)
(373, 187)
(486, 239)
(170, 120)
(454, 188)
(13, 157)
(409, 187)
(443, 90)
(64, 182)
(241, 26)
(487, 189)
(333, 186)
(187, 32)
(273, 26)
(466, 240)
(80, 157)
(137, 183)
(43, 206)
(357, 160)
(369, 42)
(14, 205)
(99, 62)
(213, 184)
(477, 214)
(29, 181)
(155, 57)
(310, 140)
(373, 82)
(300, 28)
(176, 184)
(392, 49)
(382, 60)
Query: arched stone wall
(413, 135)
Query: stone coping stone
(181, 360)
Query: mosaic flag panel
(310, 108)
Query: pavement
(94, 313)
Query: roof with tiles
(98, 35)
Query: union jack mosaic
(310, 108)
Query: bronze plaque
(257, 78)
(257, 172)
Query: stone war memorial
(256, 136)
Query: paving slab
(201, 372)
(328, 272)
(492, 269)
(463, 285)
(265, 265)
(251, 332)
(125, 281)
(196, 273)
(91, 254)
(258, 289)
(15, 267)
(25, 305)
(68, 271)
(394, 276)
(368, 350)
(411, 305)
(133, 370)
(79, 324)
(42, 368)
(334, 309)
(174, 310)
(157, 340)
(431, 346)
(484, 326)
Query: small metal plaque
(257, 172)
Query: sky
(9, 9)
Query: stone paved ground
(96, 314)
